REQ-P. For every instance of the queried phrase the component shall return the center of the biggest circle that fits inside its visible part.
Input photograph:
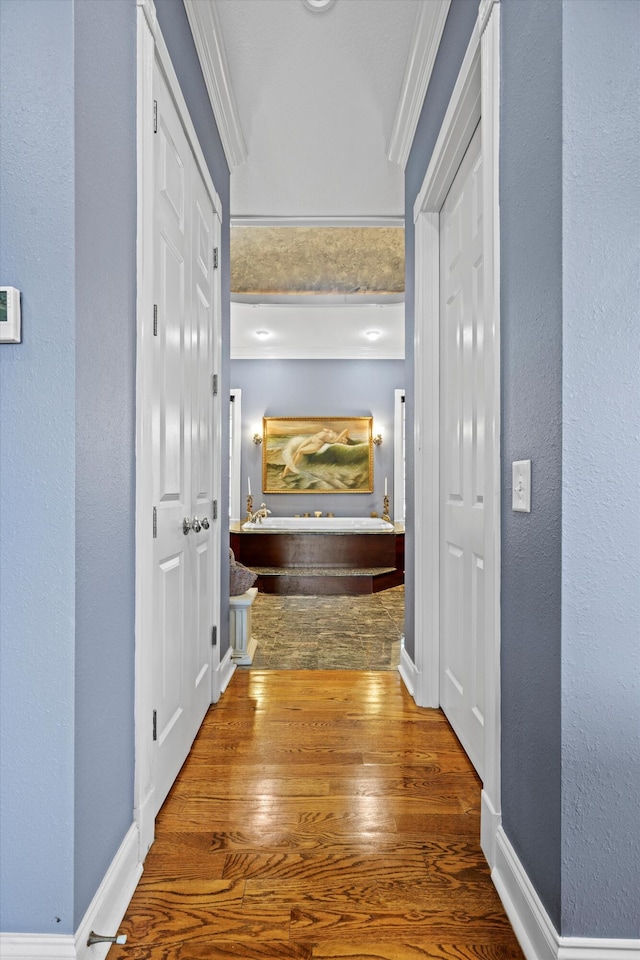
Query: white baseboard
(223, 673)
(37, 946)
(103, 916)
(532, 925)
(408, 672)
(108, 907)
(490, 821)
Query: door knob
(195, 525)
(205, 523)
(186, 525)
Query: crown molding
(207, 36)
(259, 221)
(430, 23)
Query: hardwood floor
(321, 814)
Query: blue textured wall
(37, 464)
(531, 344)
(307, 388)
(177, 34)
(67, 393)
(105, 136)
(601, 470)
(455, 39)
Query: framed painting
(317, 455)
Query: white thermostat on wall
(10, 315)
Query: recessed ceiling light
(373, 334)
(318, 5)
(263, 334)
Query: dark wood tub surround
(319, 564)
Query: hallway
(319, 820)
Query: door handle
(195, 525)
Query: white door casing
(462, 649)
(475, 100)
(177, 471)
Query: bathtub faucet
(260, 514)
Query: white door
(181, 444)
(462, 423)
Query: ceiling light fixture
(263, 334)
(373, 334)
(318, 5)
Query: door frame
(475, 99)
(151, 47)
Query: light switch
(521, 486)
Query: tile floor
(329, 633)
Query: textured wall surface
(531, 322)
(455, 39)
(175, 29)
(105, 135)
(307, 388)
(601, 470)
(37, 512)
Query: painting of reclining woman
(317, 455)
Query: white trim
(222, 675)
(207, 36)
(475, 99)
(430, 23)
(399, 480)
(490, 109)
(37, 946)
(143, 785)
(531, 922)
(252, 221)
(490, 821)
(235, 454)
(110, 903)
(104, 914)
(408, 672)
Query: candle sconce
(249, 506)
(385, 509)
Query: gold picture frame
(317, 455)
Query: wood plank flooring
(321, 814)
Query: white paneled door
(462, 426)
(182, 444)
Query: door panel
(462, 418)
(181, 442)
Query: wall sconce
(377, 439)
(257, 438)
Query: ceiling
(317, 95)
(317, 110)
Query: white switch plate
(521, 486)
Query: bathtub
(321, 525)
(321, 555)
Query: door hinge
(214, 384)
(214, 509)
(155, 319)
(214, 636)
(155, 116)
(155, 522)
(215, 258)
(155, 724)
(232, 398)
